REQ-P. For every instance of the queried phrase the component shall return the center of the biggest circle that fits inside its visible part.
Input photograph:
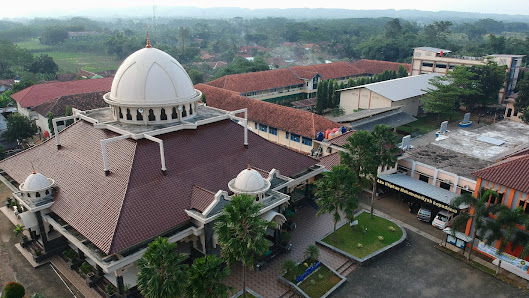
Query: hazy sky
(23, 8)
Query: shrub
(359, 245)
(85, 268)
(109, 289)
(380, 238)
(285, 237)
(38, 295)
(14, 290)
(70, 254)
(312, 282)
(305, 264)
(320, 276)
(391, 228)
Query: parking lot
(419, 269)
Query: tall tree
(44, 64)
(521, 103)
(320, 104)
(241, 232)
(184, 35)
(385, 149)
(359, 156)
(473, 210)
(19, 128)
(206, 276)
(68, 113)
(402, 72)
(489, 80)
(441, 96)
(337, 191)
(162, 273)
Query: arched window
(184, 113)
(129, 116)
(174, 114)
(139, 116)
(163, 116)
(37, 194)
(47, 192)
(191, 109)
(120, 114)
(151, 115)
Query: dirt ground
(14, 267)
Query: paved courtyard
(418, 269)
(309, 228)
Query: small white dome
(149, 78)
(36, 182)
(249, 181)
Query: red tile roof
(136, 203)
(294, 75)
(254, 81)
(330, 160)
(201, 198)
(512, 172)
(296, 121)
(37, 94)
(342, 139)
(83, 101)
(378, 66)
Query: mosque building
(155, 162)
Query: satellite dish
(140, 110)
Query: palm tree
(386, 151)
(311, 252)
(504, 229)
(241, 232)
(205, 278)
(477, 211)
(162, 273)
(337, 191)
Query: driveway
(14, 267)
(418, 269)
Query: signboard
(417, 196)
(504, 257)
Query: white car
(442, 218)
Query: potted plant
(19, 231)
(85, 268)
(8, 202)
(110, 291)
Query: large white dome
(249, 181)
(150, 78)
(36, 182)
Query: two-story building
(293, 128)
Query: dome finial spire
(148, 42)
(33, 167)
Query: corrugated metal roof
(420, 187)
(402, 88)
(431, 49)
(392, 119)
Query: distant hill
(297, 13)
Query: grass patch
(319, 282)
(300, 269)
(70, 62)
(359, 243)
(33, 45)
(427, 123)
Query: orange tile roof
(378, 66)
(277, 78)
(512, 172)
(254, 81)
(40, 93)
(296, 121)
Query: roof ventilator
(56, 130)
(162, 152)
(244, 122)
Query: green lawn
(71, 62)
(323, 280)
(430, 122)
(348, 238)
